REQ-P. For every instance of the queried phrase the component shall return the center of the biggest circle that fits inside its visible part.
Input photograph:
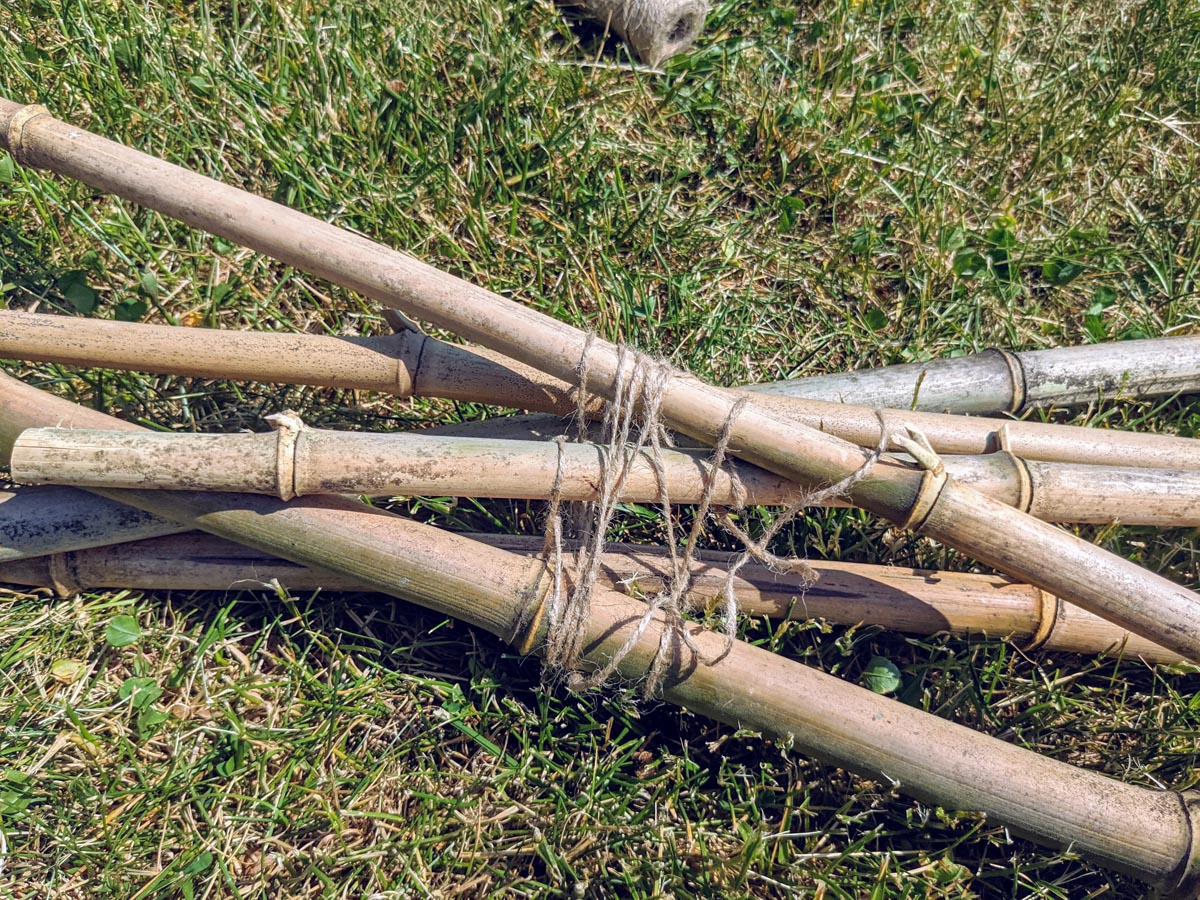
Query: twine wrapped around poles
(423, 464)
(925, 501)
(895, 598)
(1144, 832)
(413, 364)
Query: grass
(813, 188)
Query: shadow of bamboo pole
(1147, 833)
(924, 501)
(411, 364)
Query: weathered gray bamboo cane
(898, 599)
(53, 519)
(1147, 833)
(315, 461)
(926, 501)
(413, 364)
(1002, 381)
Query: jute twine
(631, 428)
(655, 29)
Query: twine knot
(631, 429)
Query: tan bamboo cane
(317, 461)
(926, 501)
(898, 599)
(405, 364)
(75, 541)
(413, 364)
(1144, 832)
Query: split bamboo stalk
(412, 364)
(1147, 833)
(1012, 542)
(315, 461)
(898, 599)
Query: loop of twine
(631, 428)
(917, 445)
(288, 425)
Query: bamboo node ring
(1016, 372)
(529, 622)
(16, 131)
(408, 362)
(917, 445)
(1025, 488)
(1048, 609)
(1187, 886)
(288, 427)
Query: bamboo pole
(1144, 832)
(1003, 381)
(898, 599)
(1012, 542)
(317, 461)
(412, 364)
(405, 364)
(34, 523)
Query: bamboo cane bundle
(412, 364)
(1145, 832)
(899, 599)
(927, 501)
(330, 462)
